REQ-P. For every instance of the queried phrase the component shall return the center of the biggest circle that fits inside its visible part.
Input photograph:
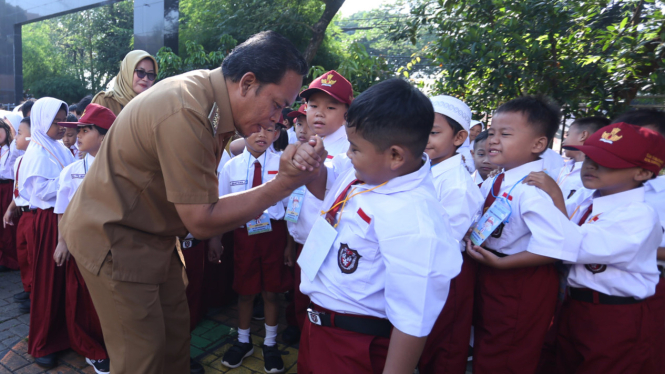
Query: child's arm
(290, 251)
(61, 251)
(8, 219)
(403, 353)
(546, 183)
(317, 187)
(661, 254)
(518, 260)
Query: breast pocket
(358, 254)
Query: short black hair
(285, 114)
(644, 117)
(72, 108)
(26, 120)
(102, 131)
(591, 124)
(26, 107)
(393, 112)
(541, 112)
(268, 55)
(81, 105)
(71, 118)
(283, 141)
(481, 137)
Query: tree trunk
(319, 28)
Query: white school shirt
(292, 135)
(535, 225)
(467, 159)
(70, 180)
(617, 254)
(477, 178)
(40, 191)
(20, 200)
(553, 162)
(237, 176)
(337, 144)
(654, 195)
(569, 178)
(401, 252)
(457, 193)
(225, 158)
(8, 155)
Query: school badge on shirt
(347, 259)
(596, 268)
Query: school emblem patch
(611, 137)
(596, 268)
(328, 81)
(347, 259)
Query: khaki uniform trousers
(145, 326)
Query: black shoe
(195, 367)
(291, 335)
(258, 312)
(238, 351)
(21, 296)
(25, 307)
(273, 359)
(47, 362)
(4, 269)
(100, 366)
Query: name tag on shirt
(78, 176)
(295, 204)
(259, 225)
(495, 216)
(237, 183)
(316, 248)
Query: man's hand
(300, 163)
(215, 249)
(61, 253)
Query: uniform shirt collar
(250, 159)
(446, 165)
(514, 175)
(602, 204)
(405, 182)
(221, 97)
(335, 136)
(657, 184)
(89, 158)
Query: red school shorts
(259, 261)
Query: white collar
(514, 175)
(657, 184)
(602, 204)
(404, 182)
(448, 164)
(250, 159)
(335, 136)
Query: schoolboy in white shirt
(569, 179)
(379, 260)
(606, 325)
(447, 345)
(258, 250)
(517, 280)
(85, 331)
(481, 159)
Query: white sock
(271, 335)
(243, 335)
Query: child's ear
(584, 135)
(397, 155)
(460, 137)
(540, 145)
(643, 175)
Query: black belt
(188, 243)
(360, 324)
(499, 254)
(5, 181)
(25, 209)
(595, 297)
(661, 271)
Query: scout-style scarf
(121, 86)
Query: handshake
(301, 163)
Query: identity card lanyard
(262, 223)
(497, 214)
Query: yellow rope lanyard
(343, 202)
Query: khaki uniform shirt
(160, 151)
(107, 102)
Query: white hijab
(14, 119)
(44, 157)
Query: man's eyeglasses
(142, 74)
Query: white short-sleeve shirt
(399, 252)
(8, 155)
(536, 225)
(569, 178)
(70, 180)
(459, 196)
(617, 253)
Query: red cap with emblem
(332, 83)
(302, 111)
(622, 146)
(94, 114)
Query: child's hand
(215, 250)
(543, 181)
(61, 253)
(8, 219)
(482, 255)
(289, 255)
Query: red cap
(622, 146)
(332, 83)
(94, 114)
(302, 111)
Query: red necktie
(16, 183)
(258, 177)
(332, 213)
(72, 150)
(496, 187)
(586, 215)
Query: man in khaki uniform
(154, 180)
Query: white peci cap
(453, 108)
(474, 123)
